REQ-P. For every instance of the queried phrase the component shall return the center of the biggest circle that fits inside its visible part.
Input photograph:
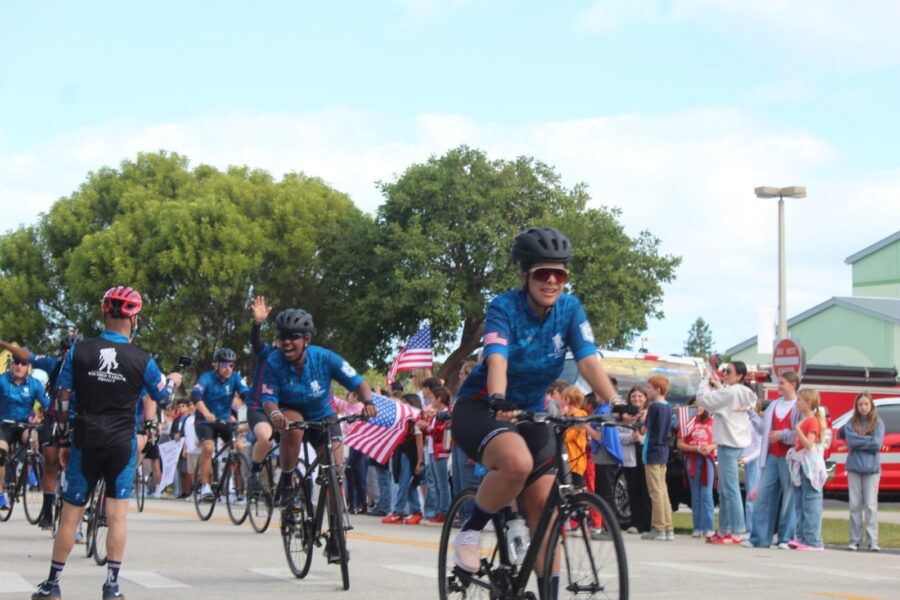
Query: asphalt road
(173, 555)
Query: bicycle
(24, 474)
(261, 502)
(97, 525)
(141, 483)
(232, 482)
(301, 522)
(589, 568)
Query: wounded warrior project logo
(105, 372)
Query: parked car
(889, 488)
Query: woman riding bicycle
(526, 334)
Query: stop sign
(788, 355)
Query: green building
(862, 330)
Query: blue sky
(670, 110)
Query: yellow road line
(848, 597)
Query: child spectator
(576, 437)
(435, 427)
(656, 454)
(865, 435)
(700, 468)
(633, 460)
(407, 467)
(809, 464)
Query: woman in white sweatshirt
(729, 405)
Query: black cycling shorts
(315, 436)
(11, 433)
(115, 464)
(474, 426)
(151, 450)
(255, 417)
(210, 431)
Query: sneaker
(206, 494)
(793, 544)
(852, 547)
(255, 483)
(332, 552)
(696, 533)
(874, 548)
(805, 548)
(413, 519)
(747, 544)
(393, 519)
(467, 550)
(632, 529)
(713, 539)
(4, 503)
(782, 546)
(728, 540)
(111, 591)
(654, 534)
(669, 535)
(435, 521)
(79, 535)
(377, 513)
(47, 591)
(598, 534)
(46, 523)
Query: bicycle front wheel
(101, 526)
(336, 518)
(30, 488)
(260, 502)
(454, 582)
(592, 564)
(140, 486)
(297, 535)
(205, 507)
(237, 481)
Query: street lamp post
(794, 191)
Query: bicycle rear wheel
(237, 481)
(203, 507)
(589, 568)
(297, 533)
(336, 532)
(260, 502)
(101, 526)
(30, 489)
(92, 506)
(140, 485)
(457, 583)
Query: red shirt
(779, 448)
(807, 426)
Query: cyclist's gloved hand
(504, 410)
(151, 428)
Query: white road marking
(287, 575)
(677, 566)
(429, 572)
(13, 582)
(865, 576)
(151, 580)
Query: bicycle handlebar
(23, 424)
(566, 420)
(324, 423)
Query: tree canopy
(699, 341)
(199, 243)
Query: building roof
(886, 309)
(873, 248)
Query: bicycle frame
(325, 468)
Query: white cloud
(688, 177)
(845, 31)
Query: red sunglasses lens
(543, 275)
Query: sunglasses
(542, 274)
(20, 363)
(290, 335)
(727, 371)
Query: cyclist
(296, 386)
(18, 393)
(526, 334)
(257, 419)
(145, 425)
(106, 374)
(213, 394)
(49, 448)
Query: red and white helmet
(121, 302)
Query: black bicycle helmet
(69, 340)
(295, 319)
(224, 355)
(541, 244)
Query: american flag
(416, 353)
(686, 421)
(379, 436)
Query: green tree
(699, 340)
(439, 246)
(198, 244)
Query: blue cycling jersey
(254, 399)
(139, 408)
(535, 350)
(17, 400)
(217, 394)
(308, 392)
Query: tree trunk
(471, 341)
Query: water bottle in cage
(517, 536)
